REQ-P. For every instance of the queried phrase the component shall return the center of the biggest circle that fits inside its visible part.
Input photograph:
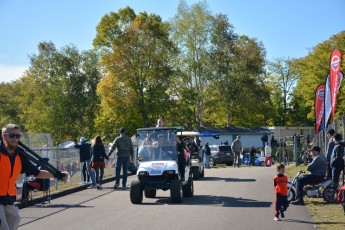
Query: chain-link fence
(67, 159)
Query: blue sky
(287, 28)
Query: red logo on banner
(335, 63)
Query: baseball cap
(315, 148)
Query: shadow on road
(239, 180)
(310, 222)
(220, 201)
(229, 179)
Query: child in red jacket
(281, 189)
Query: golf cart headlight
(142, 173)
(170, 172)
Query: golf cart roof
(188, 133)
(177, 128)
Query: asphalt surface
(227, 198)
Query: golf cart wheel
(136, 192)
(188, 189)
(176, 192)
(292, 194)
(329, 194)
(150, 193)
(196, 173)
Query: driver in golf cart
(158, 149)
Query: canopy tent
(207, 133)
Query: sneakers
(99, 187)
(83, 182)
(297, 202)
(92, 186)
(116, 186)
(282, 215)
(276, 218)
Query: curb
(61, 193)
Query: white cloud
(10, 73)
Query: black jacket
(84, 151)
(98, 153)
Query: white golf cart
(157, 163)
(197, 156)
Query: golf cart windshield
(156, 145)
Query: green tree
(313, 70)
(58, 92)
(9, 108)
(136, 53)
(191, 33)
(284, 77)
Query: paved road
(228, 198)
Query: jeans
(336, 174)
(281, 204)
(9, 217)
(306, 179)
(237, 160)
(91, 172)
(122, 162)
(252, 160)
(99, 174)
(85, 175)
(207, 161)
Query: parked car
(259, 160)
(221, 154)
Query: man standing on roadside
(337, 158)
(85, 157)
(12, 163)
(236, 148)
(124, 154)
(330, 148)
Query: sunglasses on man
(13, 135)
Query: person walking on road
(207, 151)
(124, 153)
(236, 148)
(281, 189)
(12, 163)
(97, 159)
(85, 157)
